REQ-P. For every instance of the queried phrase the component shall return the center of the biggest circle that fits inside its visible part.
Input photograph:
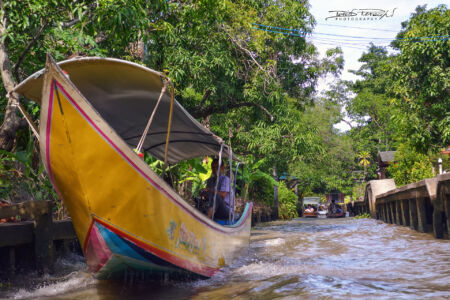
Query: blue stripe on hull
(123, 248)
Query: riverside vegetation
(254, 88)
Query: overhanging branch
(248, 52)
(205, 96)
(27, 49)
(209, 110)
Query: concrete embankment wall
(357, 208)
(262, 214)
(423, 205)
(373, 189)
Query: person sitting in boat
(339, 209)
(223, 202)
(309, 209)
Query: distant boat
(336, 210)
(126, 217)
(312, 202)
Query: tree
(410, 166)
(247, 84)
(421, 73)
(371, 104)
(364, 157)
(328, 167)
(30, 29)
(402, 101)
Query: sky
(354, 36)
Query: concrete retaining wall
(423, 205)
(375, 188)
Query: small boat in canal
(323, 211)
(126, 217)
(310, 207)
(336, 210)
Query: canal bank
(424, 205)
(35, 242)
(302, 258)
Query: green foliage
(358, 191)
(20, 179)
(372, 110)
(328, 166)
(261, 190)
(194, 171)
(410, 166)
(259, 184)
(287, 202)
(239, 79)
(363, 216)
(402, 101)
(364, 158)
(421, 76)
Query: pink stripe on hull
(47, 142)
(96, 253)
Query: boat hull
(310, 215)
(124, 215)
(336, 215)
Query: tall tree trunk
(206, 121)
(11, 121)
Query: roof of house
(386, 156)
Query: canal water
(303, 258)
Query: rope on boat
(234, 185)
(150, 120)
(230, 155)
(30, 122)
(166, 148)
(217, 181)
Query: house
(385, 158)
(336, 197)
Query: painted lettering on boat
(189, 241)
(171, 229)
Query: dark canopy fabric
(125, 95)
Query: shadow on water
(303, 258)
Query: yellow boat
(126, 217)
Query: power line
(348, 45)
(275, 31)
(293, 32)
(332, 25)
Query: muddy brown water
(299, 259)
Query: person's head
(215, 164)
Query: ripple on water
(315, 258)
(341, 258)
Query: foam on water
(274, 242)
(74, 281)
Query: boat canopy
(311, 200)
(125, 94)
